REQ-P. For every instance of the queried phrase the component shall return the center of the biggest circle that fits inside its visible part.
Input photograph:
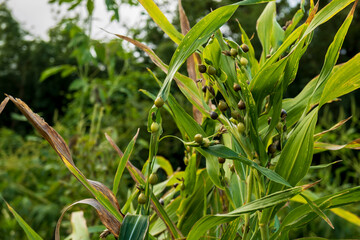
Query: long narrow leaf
(139, 178)
(122, 163)
(161, 20)
(210, 221)
(30, 233)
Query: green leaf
(231, 230)
(186, 85)
(269, 31)
(332, 54)
(190, 175)
(134, 227)
(90, 6)
(303, 214)
(197, 36)
(122, 163)
(343, 81)
(296, 156)
(324, 165)
(266, 81)
(318, 211)
(139, 178)
(209, 221)
(161, 20)
(327, 13)
(225, 152)
(54, 70)
(30, 233)
(192, 207)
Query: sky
(37, 16)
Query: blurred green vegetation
(96, 91)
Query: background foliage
(96, 91)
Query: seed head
(214, 115)
(236, 87)
(222, 106)
(244, 47)
(243, 61)
(241, 105)
(211, 70)
(159, 102)
(202, 68)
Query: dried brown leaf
(3, 104)
(109, 221)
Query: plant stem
(248, 199)
(264, 230)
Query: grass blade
(122, 163)
(161, 20)
(30, 233)
(318, 211)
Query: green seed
(153, 179)
(206, 142)
(243, 61)
(236, 114)
(241, 128)
(154, 127)
(142, 198)
(233, 52)
(159, 102)
(222, 106)
(202, 68)
(211, 70)
(198, 138)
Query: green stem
(248, 199)
(264, 231)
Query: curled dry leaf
(3, 104)
(105, 216)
